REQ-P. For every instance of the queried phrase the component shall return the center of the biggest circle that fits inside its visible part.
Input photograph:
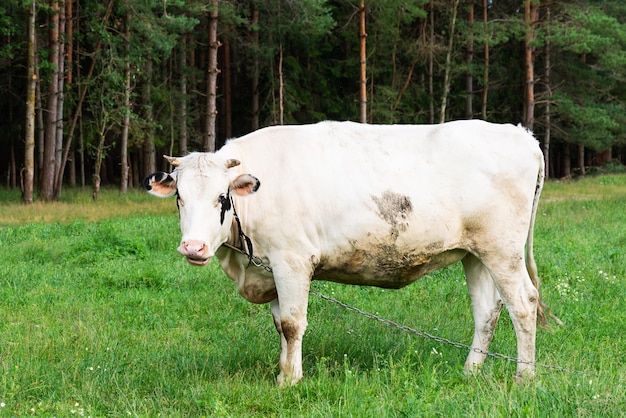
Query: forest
(93, 93)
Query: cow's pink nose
(193, 249)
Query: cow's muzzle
(195, 251)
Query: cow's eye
(223, 200)
(225, 203)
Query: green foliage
(591, 31)
(393, 51)
(320, 49)
(106, 319)
(588, 122)
(589, 74)
(9, 28)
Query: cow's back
(374, 199)
(333, 153)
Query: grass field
(100, 316)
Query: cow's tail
(542, 310)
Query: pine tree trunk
(566, 168)
(98, 161)
(213, 71)
(362, 65)
(127, 111)
(485, 94)
(228, 94)
(431, 59)
(149, 149)
(448, 67)
(104, 121)
(548, 115)
(72, 176)
(255, 68)
(69, 35)
(182, 116)
(281, 103)
(58, 175)
(581, 159)
(40, 126)
(530, 18)
(29, 151)
(49, 152)
(81, 155)
(469, 79)
(171, 108)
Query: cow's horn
(172, 160)
(232, 163)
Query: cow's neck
(234, 241)
(238, 240)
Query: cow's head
(203, 184)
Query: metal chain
(258, 262)
(440, 339)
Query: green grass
(100, 316)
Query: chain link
(440, 339)
(258, 262)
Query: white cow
(368, 205)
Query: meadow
(100, 316)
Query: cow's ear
(245, 184)
(160, 184)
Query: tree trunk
(69, 35)
(228, 93)
(149, 149)
(530, 19)
(170, 85)
(566, 169)
(182, 115)
(81, 141)
(58, 175)
(446, 77)
(548, 115)
(431, 59)
(40, 126)
(281, 103)
(49, 162)
(213, 71)
(581, 159)
(405, 86)
(98, 160)
(127, 111)
(362, 65)
(81, 155)
(29, 151)
(72, 163)
(255, 67)
(12, 182)
(469, 79)
(485, 95)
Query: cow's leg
(486, 307)
(521, 299)
(275, 308)
(289, 311)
